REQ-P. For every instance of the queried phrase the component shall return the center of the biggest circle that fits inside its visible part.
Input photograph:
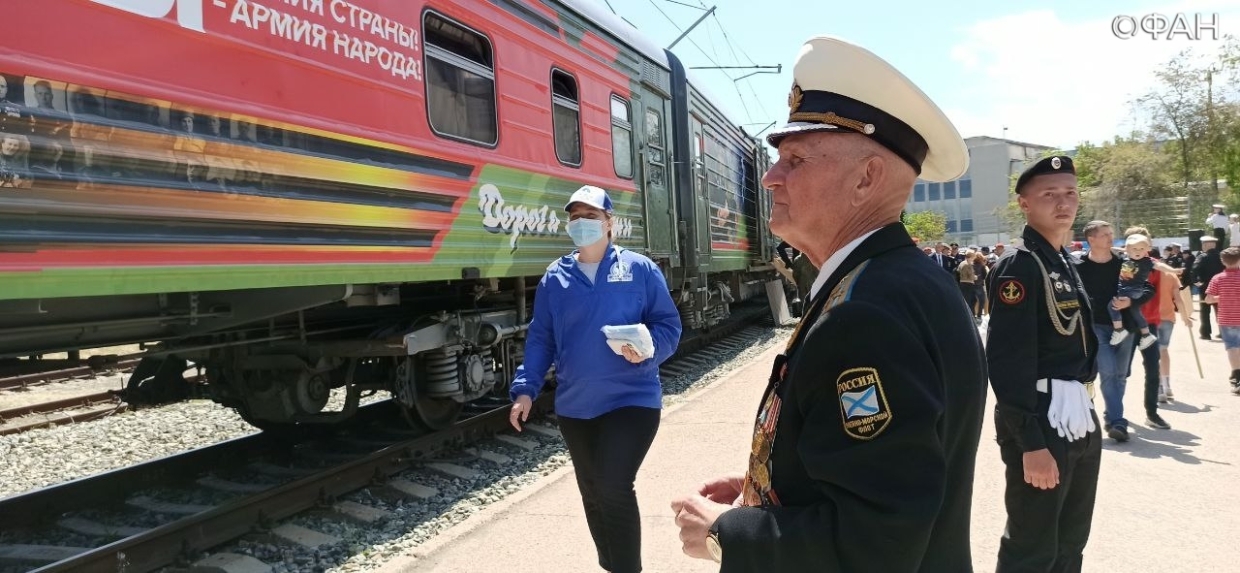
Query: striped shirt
(1225, 286)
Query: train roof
(616, 26)
(630, 35)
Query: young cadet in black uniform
(1041, 350)
(866, 438)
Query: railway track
(62, 411)
(48, 373)
(71, 410)
(151, 516)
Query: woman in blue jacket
(608, 405)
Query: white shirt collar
(834, 262)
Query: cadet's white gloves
(1069, 412)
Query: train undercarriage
(297, 358)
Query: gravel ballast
(413, 522)
(45, 457)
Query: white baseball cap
(590, 195)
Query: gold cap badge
(794, 98)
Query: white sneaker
(1146, 341)
(1162, 393)
(1170, 394)
(1118, 336)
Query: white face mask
(585, 232)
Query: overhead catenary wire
(672, 21)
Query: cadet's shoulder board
(863, 404)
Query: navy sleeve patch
(1010, 291)
(863, 404)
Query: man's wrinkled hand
(695, 515)
(725, 489)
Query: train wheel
(422, 411)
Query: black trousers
(1206, 331)
(969, 291)
(607, 452)
(1150, 359)
(1047, 529)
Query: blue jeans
(1164, 333)
(1133, 311)
(1231, 337)
(1114, 364)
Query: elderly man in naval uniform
(865, 440)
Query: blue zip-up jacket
(566, 330)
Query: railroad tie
(231, 486)
(453, 470)
(279, 471)
(150, 504)
(518, 442)
(303, 536)
(498, 459)
(361, 512)
(544, 430)
(411, 489)
(231, 563)
(91, 527)
(38, 553)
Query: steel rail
(171, 543)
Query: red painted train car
(315, 195)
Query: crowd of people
(1160, 284)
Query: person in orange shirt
(1159, 314)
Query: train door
(655, 132)
(700, 218)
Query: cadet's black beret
(1050, 165)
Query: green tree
(927, 226)
(1177, 111)
(1129, 181)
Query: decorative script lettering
(499, 216)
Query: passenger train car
(308, 196)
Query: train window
(460, 82)
(654, 148)
(565, 118)
(621, 137)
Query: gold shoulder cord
(1057, 316)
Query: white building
(975, 202)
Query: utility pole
(690, 28)
(1210, 140)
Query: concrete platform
(1166, 499)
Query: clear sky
(1051, 71)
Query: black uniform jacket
(1208, 264)
(876, 439)
(1023, 345)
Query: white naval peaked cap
(838, 85)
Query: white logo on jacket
(620, 273)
